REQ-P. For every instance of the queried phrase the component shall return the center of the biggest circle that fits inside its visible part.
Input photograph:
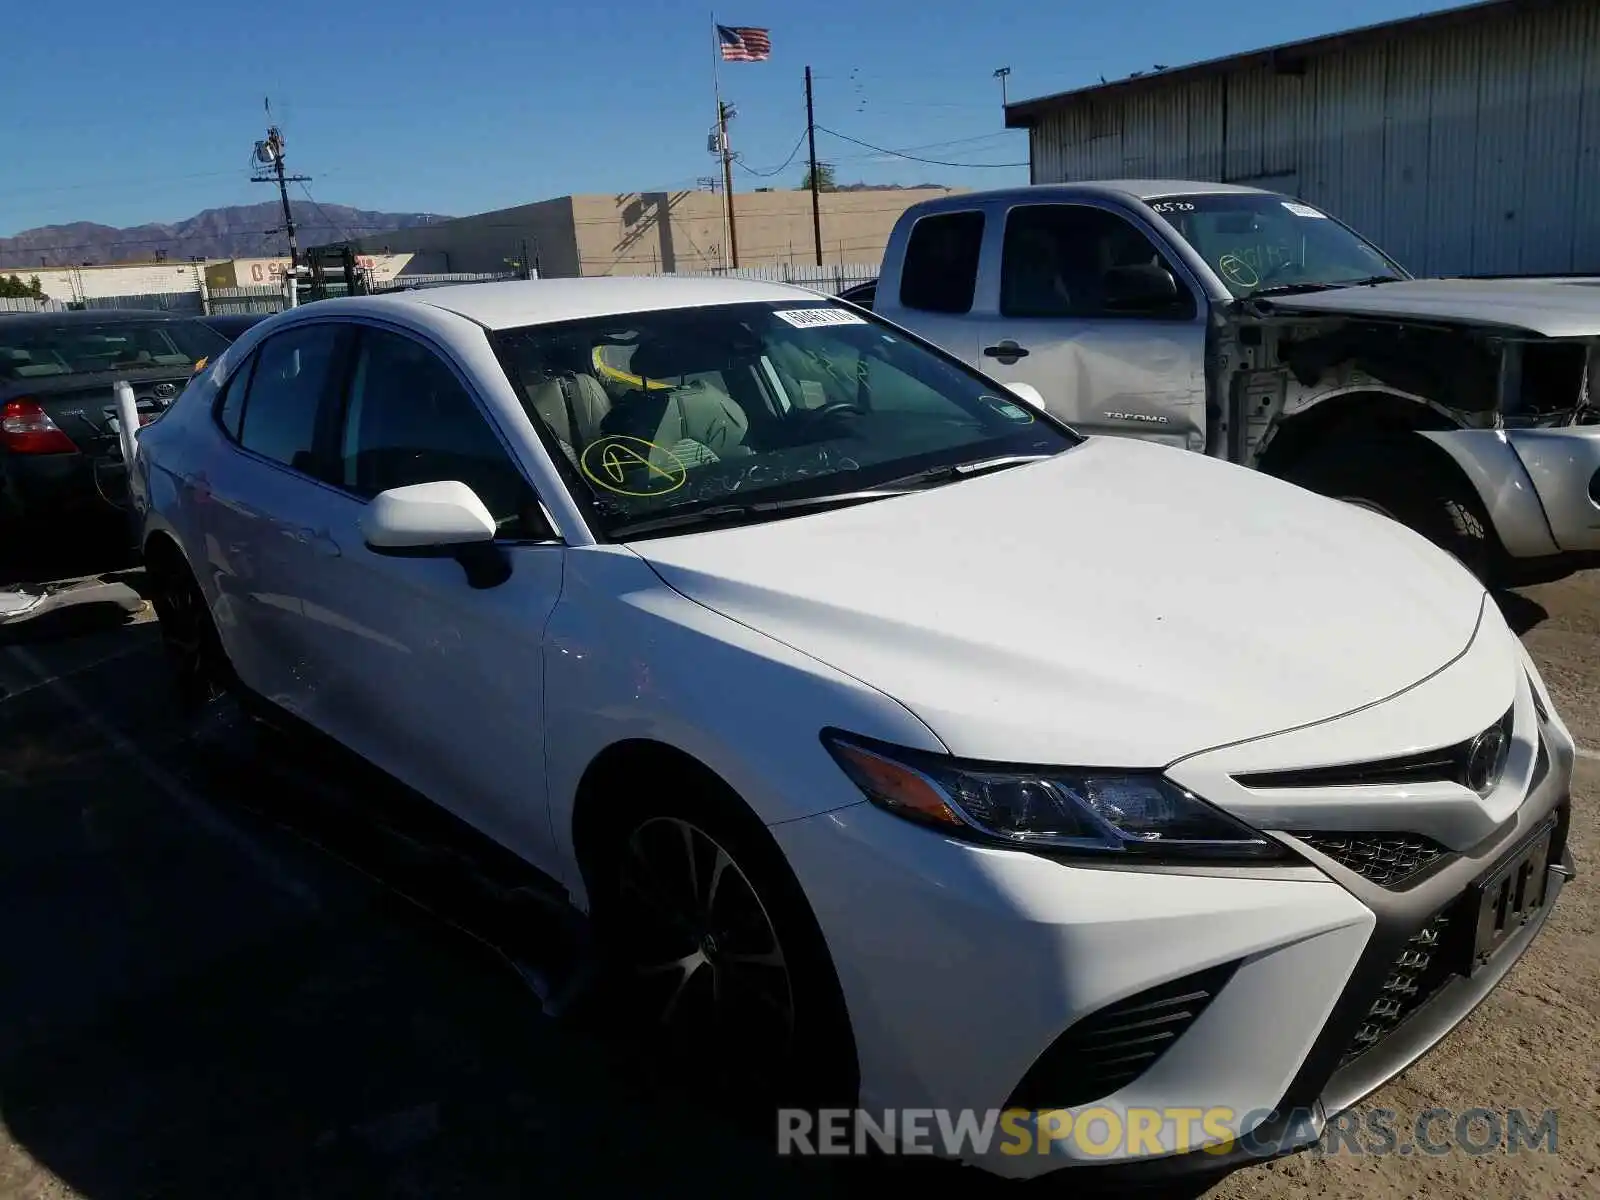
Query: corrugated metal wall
(1473, 150)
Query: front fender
(1491, 465)
(626, 657)
(1564, 465)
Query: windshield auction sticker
(1008, 409)
(1304, 210)
(808, 318)
(631, 466)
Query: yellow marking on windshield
(609, 462)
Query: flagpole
(719, 126)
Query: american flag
(741, 44)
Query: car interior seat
(695, 420)
(572, 404)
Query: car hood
(1121, 604)
(1542, 307)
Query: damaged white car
(1256, 328)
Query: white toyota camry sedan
(897, 739)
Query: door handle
(1007, 351)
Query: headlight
(1114, 814)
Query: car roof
(94, 316)
(544, 301)
(1126, 189)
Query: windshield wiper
(1290, 289)
(733, 514)
(937, 475)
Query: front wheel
(1403, 481)
(715, 958)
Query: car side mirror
(445, 519)
(1146, 287)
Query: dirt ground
(209, 987)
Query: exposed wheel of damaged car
(902, 746)
(1397, 476)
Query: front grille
(1386, 859)
(1449, 764)
(1113, 1046)
(1420, 970)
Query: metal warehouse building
(1465, 142)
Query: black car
(861, 294)
(59, 450)
(232, 325)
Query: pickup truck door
(1061, 316)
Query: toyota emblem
(1486, 759)
(165, 391)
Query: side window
(1071, 260)
(230, 404)
(940, 271)
(410, 420)
(286, 388)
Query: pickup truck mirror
(1147, 287)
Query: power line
(775, 170)
(914, 158)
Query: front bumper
(962, 966)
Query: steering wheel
(1275, 271)
(832, 407)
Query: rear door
(1056, 324)
(264, 501)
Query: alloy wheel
(183, 620)
(703, 956)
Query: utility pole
(1000, 74)
(816, 204)
(724, 111)
(269, 154)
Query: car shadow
(1521, 612)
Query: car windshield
(35, 349)
(690, 413)
(1261, 242)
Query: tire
(1404, 480)
(781, 1036)
(198, 671)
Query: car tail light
(25, 428)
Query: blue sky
(125, 114)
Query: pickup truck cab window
(1076, 260)
(1261, 242)
(940, 273)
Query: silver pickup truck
(1254, 327)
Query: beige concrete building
(638, 233)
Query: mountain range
(242, 231)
